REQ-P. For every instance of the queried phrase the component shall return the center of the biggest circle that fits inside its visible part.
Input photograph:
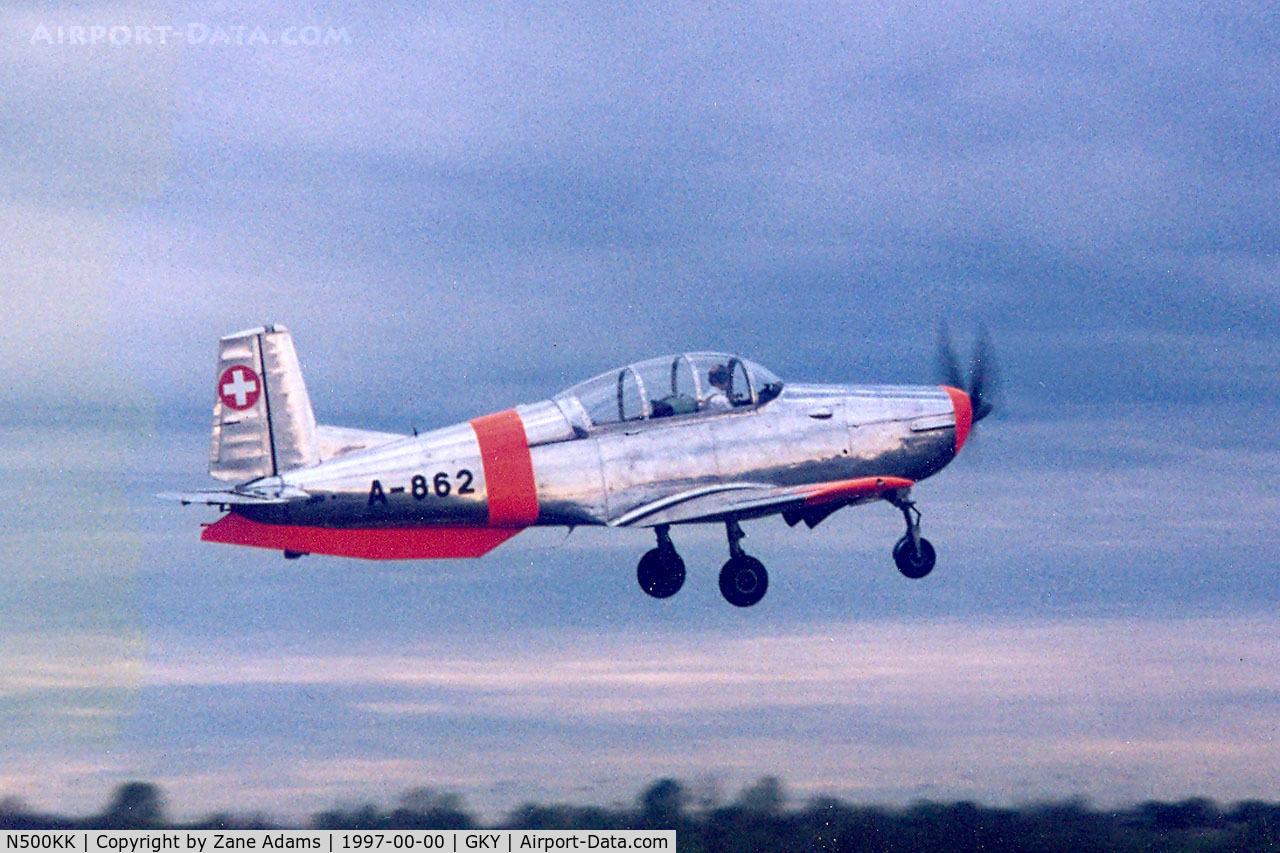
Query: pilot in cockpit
(718, 399)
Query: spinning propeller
(983, 384)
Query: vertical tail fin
(262, 419)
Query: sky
(458, 207)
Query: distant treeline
(761, 818)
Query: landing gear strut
(913, 553)
(661, 571)
(743, 580)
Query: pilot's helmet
(719, 376)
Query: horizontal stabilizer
(752, 500)
(424, 542)
(226, 497)
(335, 441)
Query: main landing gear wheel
(661, 571)
(913, 553)
(743, 580)
(915, 560)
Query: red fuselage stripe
(508, 469)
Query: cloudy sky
(456, 207)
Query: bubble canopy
(693, 383)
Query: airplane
(680, 439)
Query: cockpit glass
(633, 401)
(766, 385)
(599, 397)
(671, 386)
(739, 383)
(684, 382)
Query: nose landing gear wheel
(913, 553)
(743, 581)
(912, 563)
(661, 572)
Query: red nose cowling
(964, 413)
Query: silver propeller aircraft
(681, 439)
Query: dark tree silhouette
(428, 808)
(12, 807)
(662, 803)
(762, 820)
(135, 805)
(765, 796)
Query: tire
(914, 566)
(660, 573)
(743, 581)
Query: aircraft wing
(810, 503)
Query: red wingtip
(964, 413)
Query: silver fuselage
(809, 433)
